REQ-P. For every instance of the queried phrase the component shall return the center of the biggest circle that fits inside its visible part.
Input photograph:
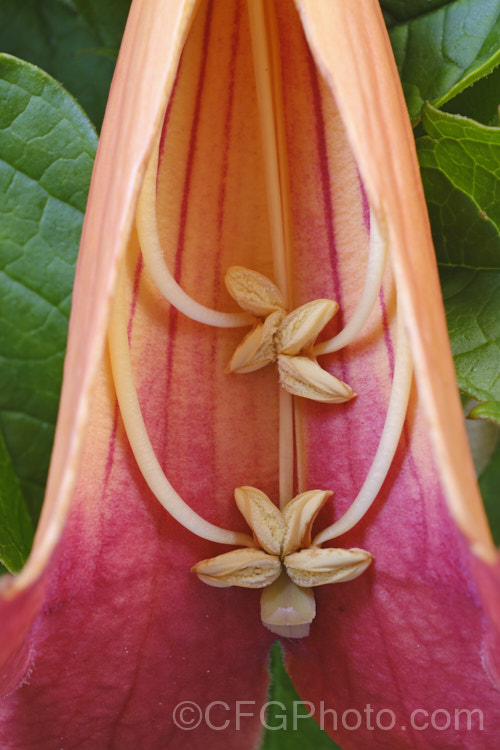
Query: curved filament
(154, 260)
(139, 440)
(396, 413)
(377, 256)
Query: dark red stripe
(192, 144)
(111, 450)
(166, 119)
(135, 290)
(235, 40)
(387, 334)
(324, 169)
(221, 199)
(173, 313)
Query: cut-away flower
(237, 134)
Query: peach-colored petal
(120, 601)
(353, 51)
(412, 633)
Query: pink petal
(126, 632)
(411, 634)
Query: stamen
(377, 256)
(396, 414)
(139, 440)
(268, 87)
(283, 563)
(154, 260)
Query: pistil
(269, 97)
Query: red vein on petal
(326, 187)
(173, 314)
(192, 144)
(235, 42)
(166, 120)
(135, 290)
(228, 119)
(387, 335)
(111, 449)
(364, 202)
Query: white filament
(138, 436)
(377, 256)
(263, 70)
(154, 260)
(275, 172)
(396, 413)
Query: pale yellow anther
(258, 348)
(263, 517)
(299, 515)
(286, 338)
(253, 291)
(304, 377)
(316, 566)
(300, 328)
(246, 567)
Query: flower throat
(281, 556)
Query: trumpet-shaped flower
(271, 136)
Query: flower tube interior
(271, 119)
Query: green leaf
(443, 50)
(480, 101)
(287, 727)
(460, 165)
(488, 410)
(47, 147)
(489, 482)
(71, 41)
(16, 528)
(405, 10)
(107, 20)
